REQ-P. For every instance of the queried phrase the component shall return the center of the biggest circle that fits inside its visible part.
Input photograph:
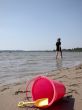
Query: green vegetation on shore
(65, 50)
(72, 50)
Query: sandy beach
(10, 95)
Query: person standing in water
(58, 48)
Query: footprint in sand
(4, 89)
(64, 76)
(74, 85)
(72, 91)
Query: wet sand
(10, 95)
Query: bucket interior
(43, 88)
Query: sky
(36, 24)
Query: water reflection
(58, 63)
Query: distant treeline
(66, 50)
(72, 50)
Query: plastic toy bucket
(44, 87)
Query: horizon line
(40, 50)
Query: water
(19, 66)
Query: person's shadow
(66, 103)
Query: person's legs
(58, 53)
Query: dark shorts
(57, 49)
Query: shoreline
(70, 77)
(30, 76)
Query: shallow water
(18, 66)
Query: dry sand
(10, 95)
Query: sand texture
(10, 95)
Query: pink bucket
(44, 87)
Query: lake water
(18, 66)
